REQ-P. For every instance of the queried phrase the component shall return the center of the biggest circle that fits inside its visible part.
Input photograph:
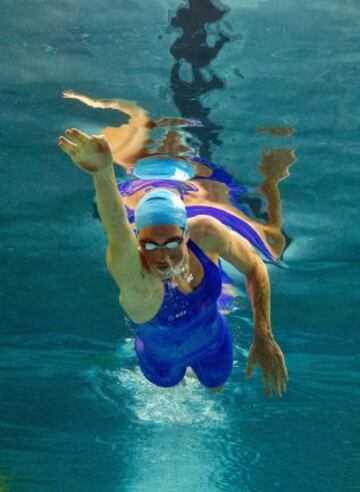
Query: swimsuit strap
(199, 253)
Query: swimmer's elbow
(257, 271)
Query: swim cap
(160, 207)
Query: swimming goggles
(172, 244)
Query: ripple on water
(187, 403)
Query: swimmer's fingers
(249, 369)
(77, 140)
(78, 136)
(266, 381)
(68, 147)
(278, 386)
(283, 370)
(250, 363)
(270, 359)
(282, 384)
(281, 375)
(71, 149)
(278, 370)
(91, 156)
(273, 383)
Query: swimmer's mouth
(165, 270)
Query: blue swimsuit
(188, 330)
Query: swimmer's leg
(213, 371)
(159, 372)
(274, 166)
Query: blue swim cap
(160, 207)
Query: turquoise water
(75, 412)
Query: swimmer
(167, 270)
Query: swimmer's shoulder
(216, 239)
(209, 234)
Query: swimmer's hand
(266, 353)
(89, 152)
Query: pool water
(75, 412)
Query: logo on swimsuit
(178, 315)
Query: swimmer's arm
(220, 240)
(112, 210)
(92, 154)
(122, 257)
(241, 255)
(264, 352)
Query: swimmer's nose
(163, 257)
(163, 254)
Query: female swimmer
(170, 265)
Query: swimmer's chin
(165, 274)
(172, 272)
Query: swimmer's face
(164, 262)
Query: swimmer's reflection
(182, 229)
